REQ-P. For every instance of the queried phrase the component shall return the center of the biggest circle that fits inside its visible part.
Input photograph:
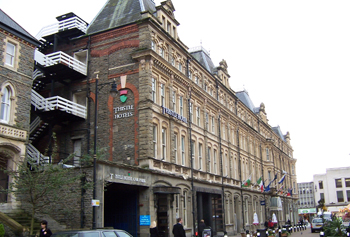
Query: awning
(167, 190)
(275, 204)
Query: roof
(278, 131)
(202, 56)
(116, 13)
(244, 97)
(10, 25)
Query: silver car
(93, 233)
(316, 224)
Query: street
(305, 233)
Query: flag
(247, 182)
(282, 179)
(274, 178)
(261, 184)
(290, 192)
(267, 188)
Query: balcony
(70, 27)
(57, 108)
(61, 65)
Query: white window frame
(209, 159)
(164, 135)
(175, 148)
(154, 90)
(215, 163)
(6, 104)
(174, 101)
(183, 155)
(200, 160)
(212, 124)
(162, 94)
(198, 112)
(181, 105)
(10, 58)
(155, 131)
(267, 154)
(191, 112)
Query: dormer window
(168, 27)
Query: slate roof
(116, 13)
(8, 24)
(278, 131)
(244, 97)
(202, 56)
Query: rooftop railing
(70, 23)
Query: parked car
(93, 233)
(316, 224)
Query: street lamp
(113, 92)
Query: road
(305, 233)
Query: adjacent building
(334, 188)
(306, 202)
(16, 68)
(174, 141)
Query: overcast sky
(293, 56)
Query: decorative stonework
(13, 132)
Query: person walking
(178, 229)
(201, 227)
(153, 230)
(44, 231)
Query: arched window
(6, 105)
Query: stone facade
(176, 141)
(16, 68)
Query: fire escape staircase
(57, 103)
(35, 157)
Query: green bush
(334, 227)
(2, 230)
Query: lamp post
(113, 93)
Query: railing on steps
(57, 103)
(35, 156)
(70, 23)
(60, 57)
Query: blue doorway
(121, 208)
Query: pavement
(300, 233)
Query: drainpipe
(240, 176)
(222, 178)
(190, 138)
(262, 172)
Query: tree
(38, 186)
(334, 227)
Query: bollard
(295, 228)
(321, 233)
(279, 232)
(258, 234)
(347, 234)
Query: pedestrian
(153, 230)
(178, 229)
(266, 224)
(270, 224)
(201, 227)
(44, 231)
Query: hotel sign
(123, 111)
(174, 114)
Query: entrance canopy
(275, 204)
